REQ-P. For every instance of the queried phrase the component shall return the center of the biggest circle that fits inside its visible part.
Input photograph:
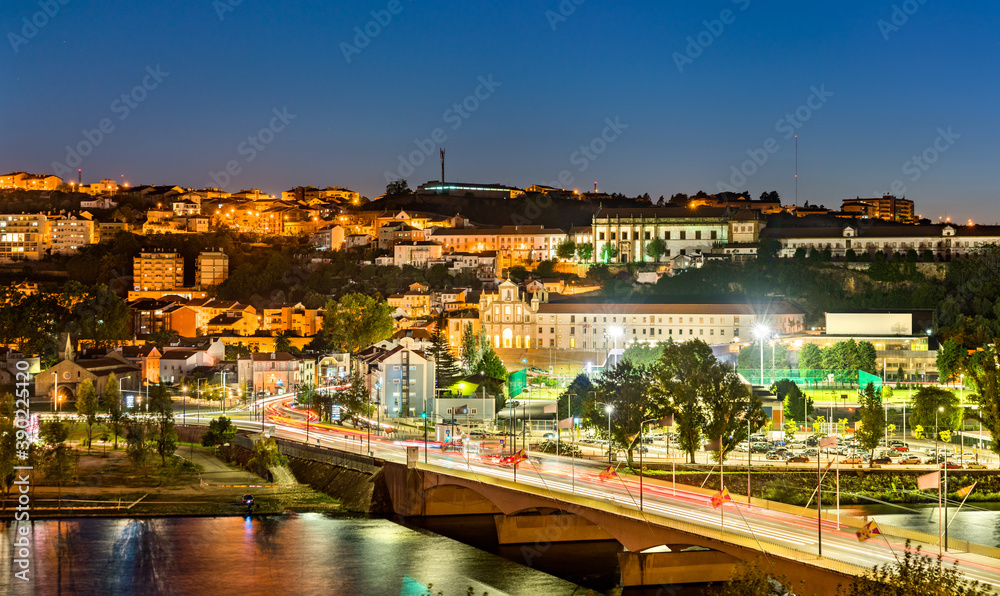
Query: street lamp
(609, 408)
(761, 331)
(665, 421)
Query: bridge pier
(687, 567)
(533, 529)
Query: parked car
(951, 465)
(549, 436)
(773, 455)
(761, 447)
(797, 459)
(852, 459)
(882, 460)
(909, 460)
(977, 465)
(744, 447)
(812, 442)
(811, 452)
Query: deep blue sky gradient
(606, 60)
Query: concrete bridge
(535, 517)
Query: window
(552, 329)
(572, 319)
(600, 236)
(670, 331)
(722, 331)
(539, 331)
(473, 411)
(552, 343)
(661, 332)
(690, 331)
(683, 235)
(666, 235)
(612, 235)
(701, 332)
(714, 234)
(697, 235)
(624, 236)
(647, 236)
(572, 330)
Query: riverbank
(195, 482)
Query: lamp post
(55, 391)
(937, 460)
(609, 408)
(761, 332)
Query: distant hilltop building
(888, 207)
(464, 189)
(26, 181)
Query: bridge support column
(531, 529)
(691, 567)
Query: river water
(314, 553)
(284, 555)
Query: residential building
(23, 236)
(357, 241)
(400, 380)
(211, 268)
(294, 319)
(887, 207)
(513, 244)
(185, 208)
(269, 373)
(27, 181)
(416, 254)
(157, 271)
(416, 302)
(70, 234)
(330, 237)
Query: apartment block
(28, 181)
(211, 268)
(158, 271)
(69, 234)
(23, 236)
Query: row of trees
(706, 397)
(843, 355)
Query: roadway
(561, 475)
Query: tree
(356, 322)
(398, 187)
(733, 411)
(797, 405)
(915, 574)
(625, 388)
(59, 462)
(950, 360)
(165, 436)
(872, 423)
(867, 357)
(680, 379)
(8, 443)
(656, 249)
(598, 273)
(643, 354)
(355, 399)
(446, 367)
(493, 368)
(114, 409)
(750, 579)
(265, 455)
(220, 432)
(566, 249)
(585, 251)
(571, 401)
(87, 407)
(810, 357)
(926, 404)
(282, 343)
(609, 252)
(138, 435)
(986, 381)
(470, 349)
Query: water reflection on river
(284, 555)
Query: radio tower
(796, 170)
(442, 165)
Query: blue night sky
(688, 117)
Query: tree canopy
(356, 322)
